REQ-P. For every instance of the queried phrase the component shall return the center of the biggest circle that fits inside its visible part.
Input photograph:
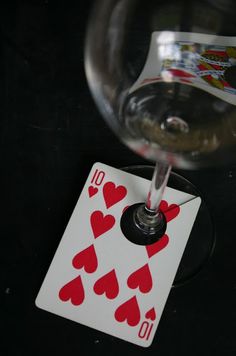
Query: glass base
(136, 235)
(201, 241)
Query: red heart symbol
(113, 194)
(107, 284)
(149, 200)
(157, 246)
(170, 211)
(125, 208)
(101, 224)
(73, 291)
(141, 279)
(128, 311)
(92, 191)
(87, 259)
(151, 314)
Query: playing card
(100, 279)
(195, 59)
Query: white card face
(100, 279)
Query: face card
(100, 279)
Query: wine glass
(162, 74)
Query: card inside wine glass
(100, 279)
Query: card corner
(37, 303)
(198, 200)
(97, 162)
(147, 344)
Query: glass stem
(147, 216)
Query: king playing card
(100, 279)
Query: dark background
(51, 134)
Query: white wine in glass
(163, 75)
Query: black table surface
(51, 134)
